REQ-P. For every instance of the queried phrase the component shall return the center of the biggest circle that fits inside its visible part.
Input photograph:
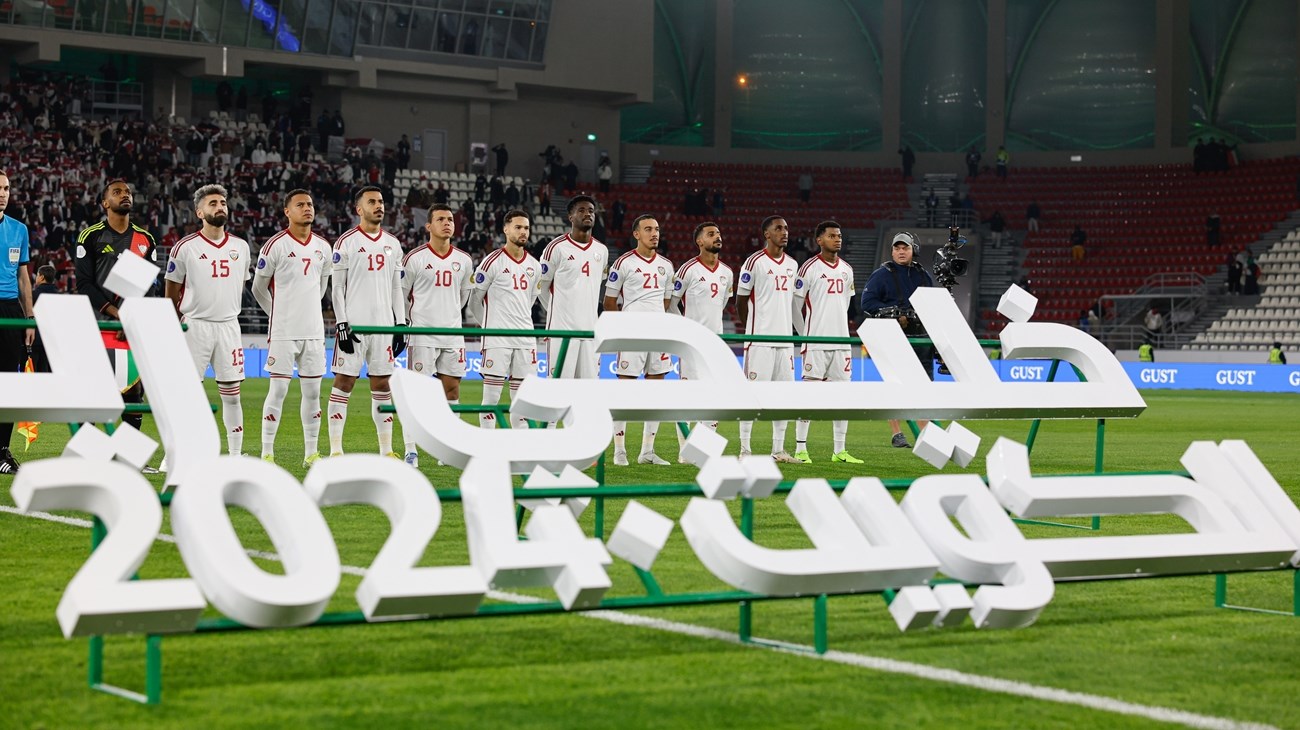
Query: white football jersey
(571, 279)
(643, 284)
(212, 275)
(371, 294)
(436, 289)
(704, 292)
(769, 284)
(299, 272)
(509, 288)
(825, 292)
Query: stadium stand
(1140, 221)
(1275, 318)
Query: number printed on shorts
(237, 357)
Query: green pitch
(1157, 643)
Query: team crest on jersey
(234, 255)
(455, 266)
(270, 361)
(388, 250)
(529, 272)
(661, 271)
(320, 256)
(744, 278)
(419, 366)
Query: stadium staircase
(1140, 221)
(1254, 323)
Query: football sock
(801, 435)
(491, 396)
(232, 417)
(271, 412)
(519, 421)
(383, 421)
(746, 429)
(648, 437)
(309, 412)
(778, 436)
(337, 415)
(840, 429)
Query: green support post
(153, 669)
(746, 628)
(819, 624)
(1033, 427)
(1099, 458)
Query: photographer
(888, 294)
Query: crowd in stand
(59, 157)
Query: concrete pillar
(1173, 36)
(724, 74)
(995, 99)
(891, 42)
(478, 128)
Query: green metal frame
(654, 596)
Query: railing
(1185, 294)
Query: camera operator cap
(907, 238)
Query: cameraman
(888, 294)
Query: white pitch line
(864, 661)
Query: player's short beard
(123, 208)
(216, 221)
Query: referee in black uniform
(96, 253)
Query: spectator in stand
(496, 192)
(512, 195)
(997, 225)
(571, 176)
(972, 162)
(1212, 225)
(480, 188)
(337, 127)
(604, 173)
(805, 187)
(1235, 268)
(719, 201)
(931, 209)
(1153, 324)
(1252, 273)
(617, 212)
(1077, 241)
(1002, 160)
(909, 160)
(544, 198)
(403, 153)
(1032, 214)
(503, 158)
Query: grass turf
(1157, 642)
